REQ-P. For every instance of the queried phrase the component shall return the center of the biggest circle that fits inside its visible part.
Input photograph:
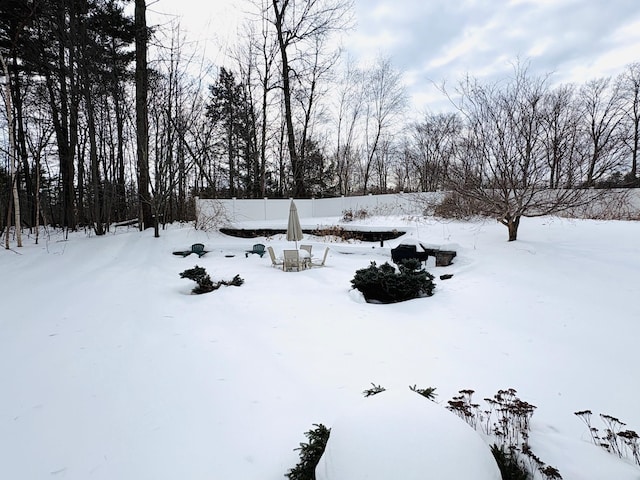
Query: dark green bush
(374, 390)
(205, 285)
(310, 454)
(428, 393)
(385, 284)
(201, 277)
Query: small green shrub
(205, 284)
(310, 453)
(428, 393)
(385, 284)
(201, 277)
(374, 390)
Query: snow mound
(400, 434)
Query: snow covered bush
(385, 284)
(506, 421)
(205, 284)
(201, 277)
(310, 454)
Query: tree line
(107, 119)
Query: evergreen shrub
(385, 284)
(310, 453)
(205, 284)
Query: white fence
(618, 204)
(268, 209)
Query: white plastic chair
(324, 259)
(291, 261)
(274, 261)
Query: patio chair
(274, 261)
(197, 248)
(291, 261)
(307, 248)
(258, 249)
(324, 258)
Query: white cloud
(443, 40)
(576, 39)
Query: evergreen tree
(232, 114)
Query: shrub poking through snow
(374, 390)
(511, 468)
(205, 284)
(310, 453)
(507, 420)
(201, 277)
(350, 215)
(385, 284)
(428, 393)
(614, 438)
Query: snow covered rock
(402, 435)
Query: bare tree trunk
(142, 121)
(7, 245)
(512, 223)
(12, 159)
(296, 167)
(96, 190)
(20, 150)
(37, 172)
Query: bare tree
(560, 135)
(6, 96)
(40, 132)
(433, 145)
(297, 24)
(350, 108)
(385, 100)
(385, 160)
(502, 167)
(180, 135)
(602, 116)
(254, 60)
(629, 82)
(87, 93)
(314, 68)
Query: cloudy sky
(443, 40)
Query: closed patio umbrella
(294, 230)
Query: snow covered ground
(111, 369)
